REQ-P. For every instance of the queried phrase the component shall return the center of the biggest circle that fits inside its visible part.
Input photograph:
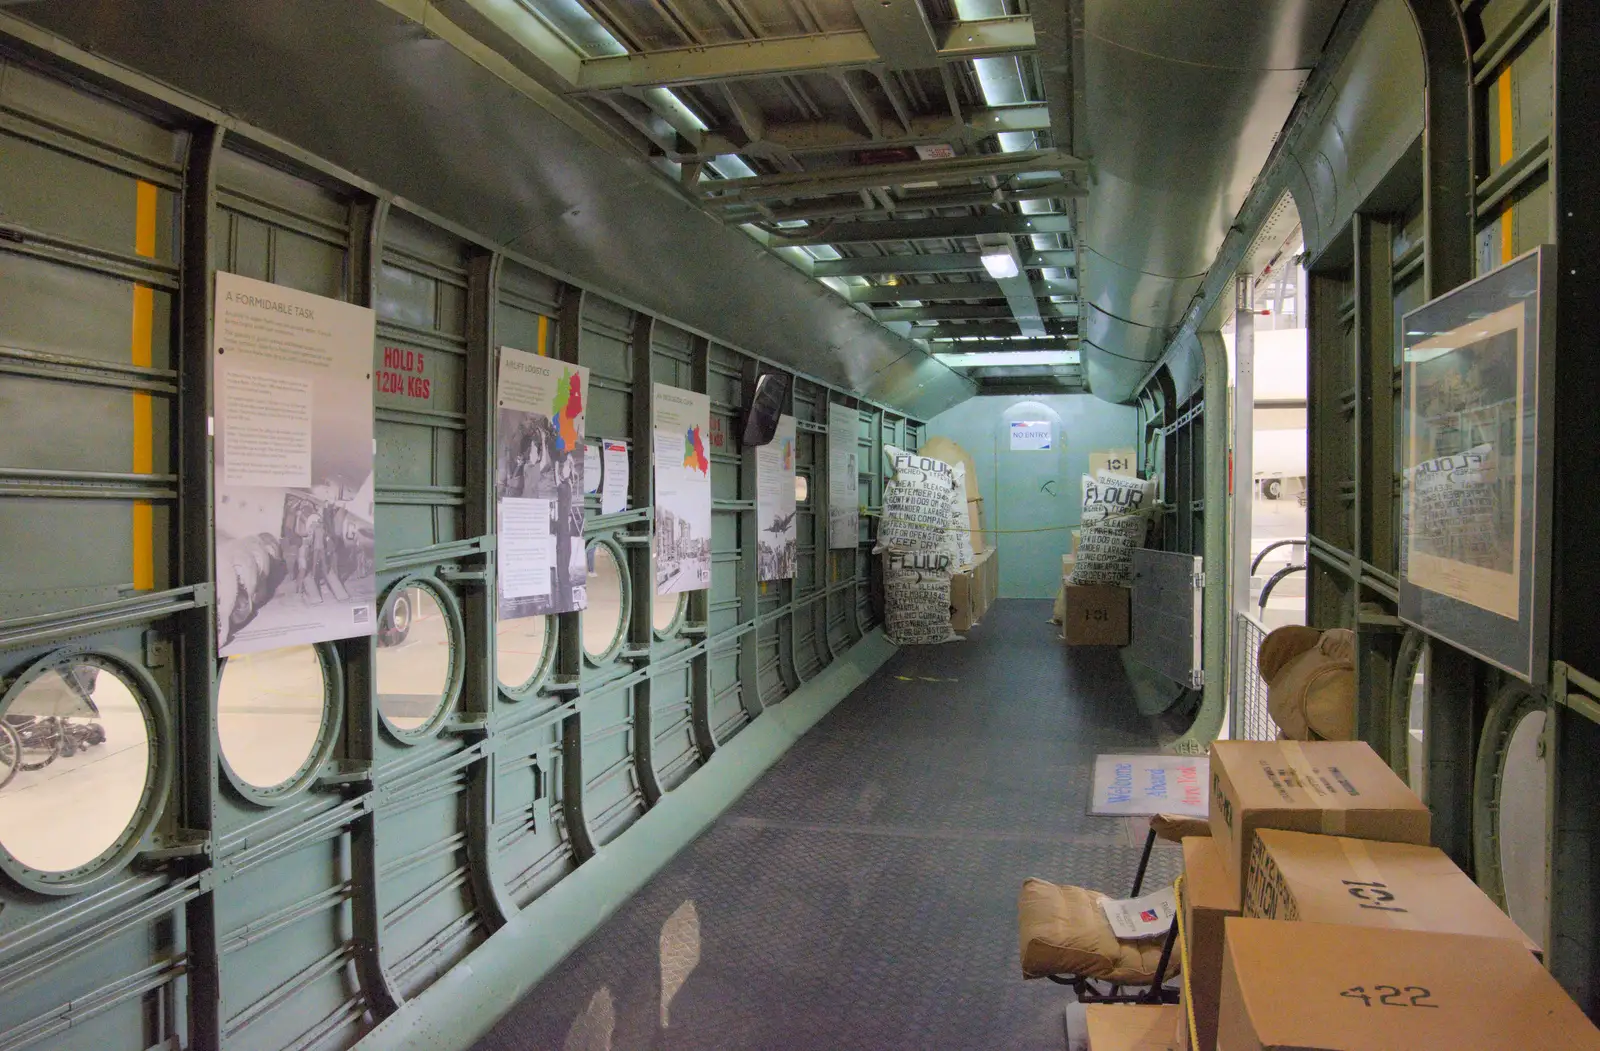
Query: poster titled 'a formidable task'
(293, 463)
(539, 485)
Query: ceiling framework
(882, 146)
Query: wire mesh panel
(1250, 719)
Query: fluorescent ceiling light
(993, 358)
(1000, 263)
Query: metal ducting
(1183, 102)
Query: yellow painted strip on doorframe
(544, 329)
(144, 531)
(1508, 226)
(144, 219)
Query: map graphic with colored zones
(694, 452)
(568, 406)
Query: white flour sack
(958, 541)
(916, 599)
(916, 503)
(1105, 550)
(1114, 494)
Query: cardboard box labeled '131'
(1334, 879)
(1337, 788)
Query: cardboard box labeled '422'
(1338, 788)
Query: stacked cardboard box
(973, 590)
(1132, 1027)
(1317, 917)
(1095, 614)
(1332, 987)
(1210, 897)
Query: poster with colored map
(539, 485)
(776, 533)
(682, 424)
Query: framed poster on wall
(1477, 459)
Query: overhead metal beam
(1004, 346)
(951, 263)
(975, 312)
(1027, 309)
(950, 290)
(789, 185)
(959, 330)
(786, 56)
(814, 136)
(929, 229)
(839, 207)
(900, 30)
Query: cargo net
(1250, 719)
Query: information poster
(1030, 435)
(592, 469)
(292, 463)
(1139, 785)
(1463, 527)
(844, 476)
(775, 503)
(681, 422)
(539, 485)
(614, 494)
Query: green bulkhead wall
(1032, 497)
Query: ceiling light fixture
(999, 358)
(1000, 263)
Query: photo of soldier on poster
(539, 485)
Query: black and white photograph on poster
(292, 467)
(844, 476)
(683, 490)
(539, 485)
(775, 504)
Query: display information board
(292, 467)
(775, 504)
(844, 476)
(540, 464)
(683, 490)
(1140, 785)
(1478, 460)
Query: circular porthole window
(79, 745)
(606, 618)
(277, 717)
(666, 611)
(418, 673)
(522, 649)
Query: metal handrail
(1272, 582)
(1262, 554)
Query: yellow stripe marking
(144, 219)
(144, 532)
(544, 329)
(1508, 228)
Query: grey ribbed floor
(863, 893)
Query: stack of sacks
(1317, 916)
(1096, 577)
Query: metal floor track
(862, 895)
